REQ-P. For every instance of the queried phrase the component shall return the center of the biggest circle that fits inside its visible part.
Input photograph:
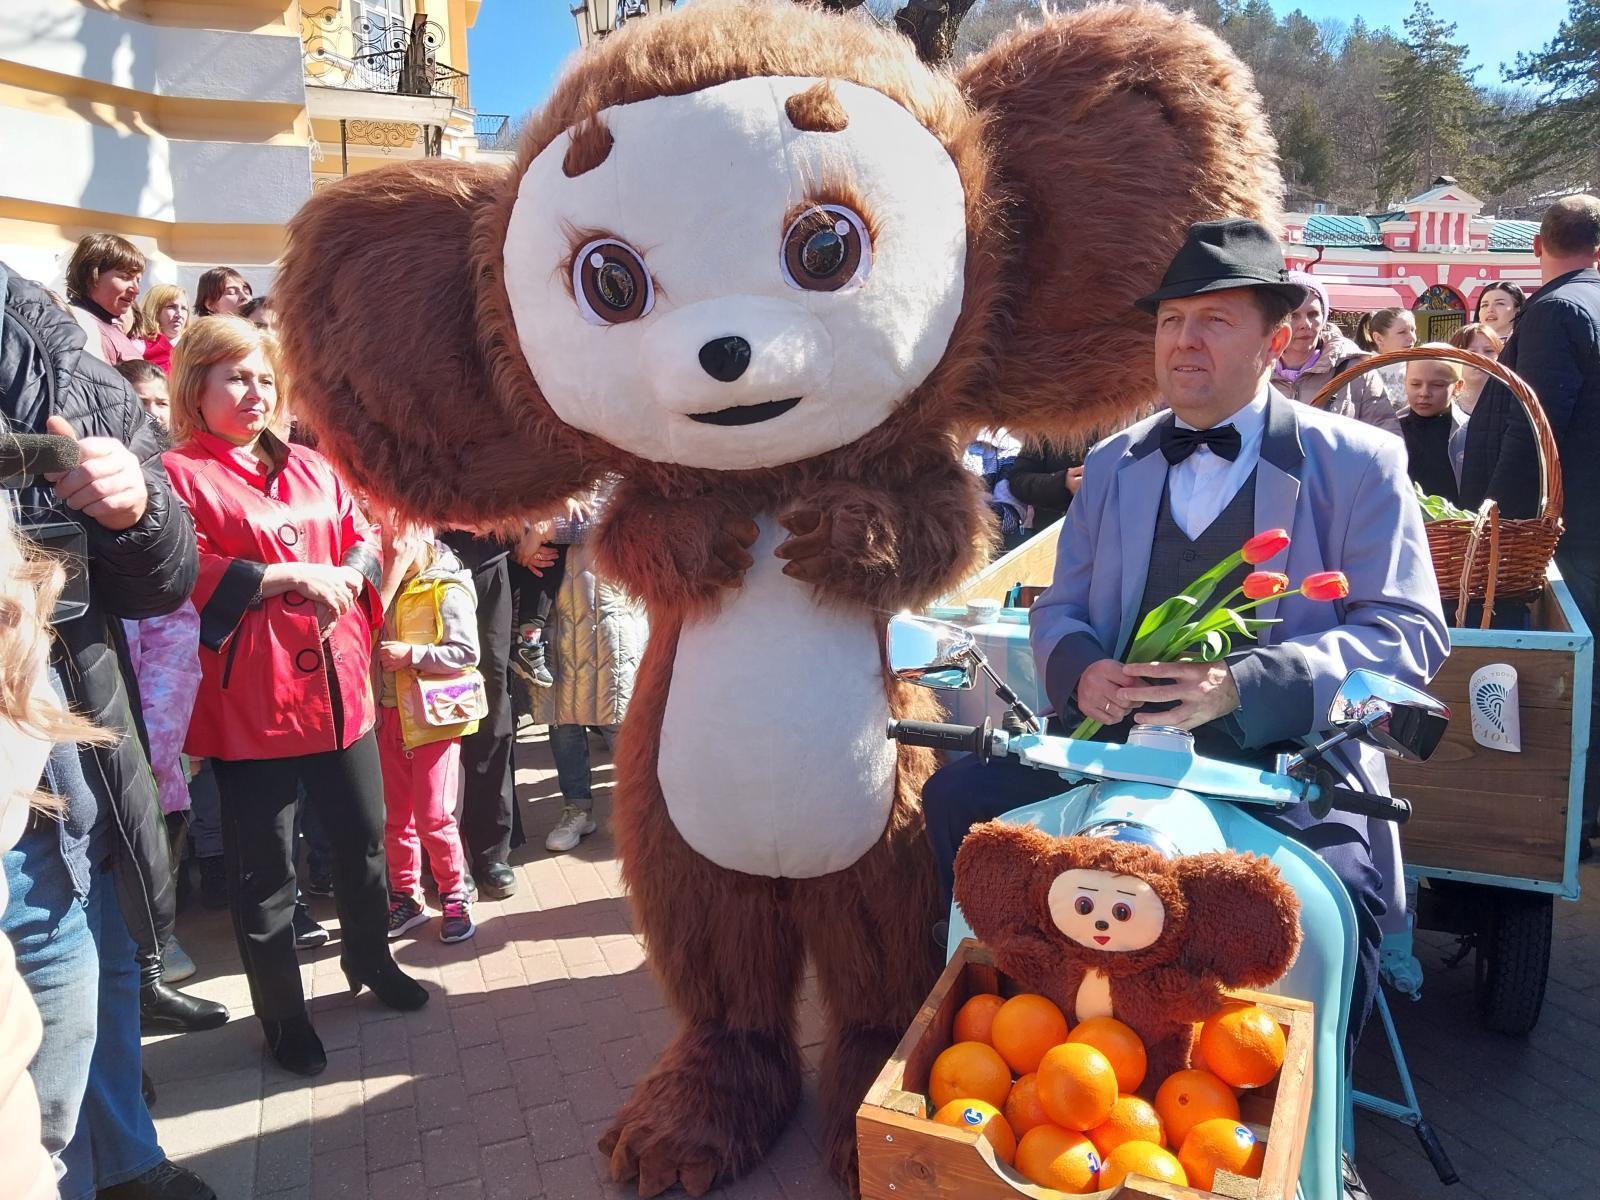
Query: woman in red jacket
(288, 601)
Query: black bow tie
(1178, 444)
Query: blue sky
(517, 46)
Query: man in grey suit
(1178, 492)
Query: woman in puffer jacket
(1317, 351)
(594, 642)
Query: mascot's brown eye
(1083, 905)
(1122, 912)
(825, 249)
(611, 283)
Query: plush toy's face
(726, 290)
(1106, 911)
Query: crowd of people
(259, 680)
(271, 686)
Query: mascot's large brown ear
(378, 302)
(1244, 920)
(997, 869)
(1113, 128)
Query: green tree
(1305, 145)
(1435, 110)
(1561, 132)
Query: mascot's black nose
(725, 358)
(1102, 925)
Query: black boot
(164, 1181)
(496, 879)
(164, 1009)
(213, 882)
(296, 1046)
(392, 986)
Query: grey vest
(1175, 561)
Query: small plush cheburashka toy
(1111, 928)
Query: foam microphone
(24, 455)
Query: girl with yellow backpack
(430, 694)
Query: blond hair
(148, 310)
(1459, 370)
(30, 581)
(205, 343)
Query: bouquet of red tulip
(1177, 630)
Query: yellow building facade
(197, 128)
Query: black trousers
(536, 594)
(258, 808)
(488, 811)
(968, 792)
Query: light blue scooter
(1169, 795)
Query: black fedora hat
(1219, 255)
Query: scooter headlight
(1134, 833)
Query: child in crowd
(164, 653)
(430, 634)
(1433, 427)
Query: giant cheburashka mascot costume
(770, 269)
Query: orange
(1060, 1159)
(975, 1018)
(1117, 1042)
(1132, 1119)
(979, 1116)
(1024, 1027)
(1220, 1144)
(1077, 1086)
(1023, 1110)
(1141, 1158)
(969, 1070)
(1189, 1097)
(1242, 1045)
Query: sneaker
(457, 925)
(572, 827)
(307, 933)
(176, 966)
(164, 1181)
(527, 660)
(404, 913)
(319, 881)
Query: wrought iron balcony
(494, 131)
(377, 55)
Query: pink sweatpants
(419, 794)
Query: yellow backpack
(433, 708)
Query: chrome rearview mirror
(932, 654)
(1398, 719)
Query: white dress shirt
(1205, 483)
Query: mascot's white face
(1106, 911)
(713, 294)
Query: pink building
(1432, 255)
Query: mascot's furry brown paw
(771, 270)
(1107, 928)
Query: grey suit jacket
(1341, 490)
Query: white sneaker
(176, 965)
(571, 828)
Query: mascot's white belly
(773, 758)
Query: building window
(380, 13)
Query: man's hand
(107, 485)
(1099, 691)
(394, 655)
(1204, 691)
(1074, 479)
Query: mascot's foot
(707, 1112)
(854, 1057)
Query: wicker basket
(1520, 553)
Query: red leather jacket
(270, 686)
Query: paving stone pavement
(537, 1028)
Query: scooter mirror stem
(1292, 764)
(1022, 712)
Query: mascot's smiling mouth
(749, 414)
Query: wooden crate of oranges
(1059, 1107)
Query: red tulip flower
(1263, 585)
(1264, 545)
(1325, 585)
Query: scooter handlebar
(1368, 804)
(973, 739)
